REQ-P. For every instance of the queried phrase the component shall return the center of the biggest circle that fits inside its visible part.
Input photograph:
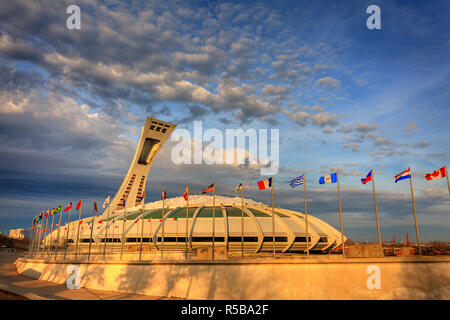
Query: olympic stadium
(128, 220)
(231, 224)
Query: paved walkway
(11, 281)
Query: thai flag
(265, 184)
(404, 175)
(368, 178)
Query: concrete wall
(400, 278)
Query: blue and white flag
(239, 187)
(297, 181)
(329, 178)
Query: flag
(100, 221)
(239, 187)
(297, 181)
(329, 178)
(95, 205)
(367, 178)
(175, 218)
(68, 207)
(265, 184)
(141, 196)
(58, 209)
(136, 221)
(404, 175)
(46, 213)
(210, 188)
(78, 205)
(106, 202)
(163, 194)
(81, 221)
(436, 174)
(41, 215)
(186, 193)
(52, 212)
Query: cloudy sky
(343, 97)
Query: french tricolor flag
(265, 184)
(404, 175)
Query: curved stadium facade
(127, 220)
(146, 224)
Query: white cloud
(328, 83)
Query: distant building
(19, 233)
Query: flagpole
(242, 220)
(35, 237)
(123, 226)
(41, 235)
(67, 235)
(92, 231)
(163, 220)
(142, 228)
(376, 214)
(78, 232)
(32, 240)
(273, 220)
(113, 235)
(214, 221)
(51, 235)
(150, 233)
(306, 215)
(340, 214)
(415, 215)
(35, 242)
(106, 232)
(31, 246)
(45, 233)
(59, 232)
(187, 217)
(448, 183)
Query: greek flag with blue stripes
(297, 181)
